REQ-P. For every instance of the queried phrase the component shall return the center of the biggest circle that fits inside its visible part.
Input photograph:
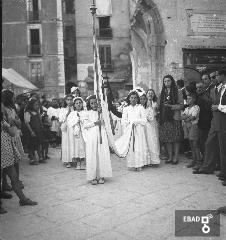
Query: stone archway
(148, 44)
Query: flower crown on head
(141, 93)
(139, 89)
(78, 98)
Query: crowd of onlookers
(190, 119)
(26, 130)
(204, 123)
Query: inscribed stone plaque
(206, 23)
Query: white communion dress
(98, 162)
(134, 121)
(77, 149)
(67, 136)
(152, 137)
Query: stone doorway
(148, 44)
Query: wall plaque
(206, 23)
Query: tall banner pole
(93, 12)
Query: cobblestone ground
(132, 205)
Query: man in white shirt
(216, 140)
(222, 120)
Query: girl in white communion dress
(77, 150)
(98, 162)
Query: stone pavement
(130, 206)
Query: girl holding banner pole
(98, 162)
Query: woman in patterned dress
(170, 130)
(10, 155)
(15, 123)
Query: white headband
(141, 93)
(78, 98)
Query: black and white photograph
(113, 120)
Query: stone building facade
(113, 37)
(180, 37)
(139, 41)
(34, 42)
(151, 38)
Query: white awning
(104, 8)
(13, 77)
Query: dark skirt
(170, 132)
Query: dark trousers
(212, 150)
(203, 135)
(222, 143)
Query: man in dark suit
(205, 116)
(216, 140)
(222, 121)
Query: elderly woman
(171, 131)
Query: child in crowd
(151, 129)
(46, 134)
(134, 119)
(53, 114)
(22, 102)
(190, 117)
(67, 135)
(98, 162)
(33, 122)
(118, 124)
(77, 148)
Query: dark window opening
(199, 61)
(35, 5)
(35, 46)
(105, 57)
(69, 51)
(69, 33)
(204, 56)
(33, 12)
(104, 22)
(105, 30)
(36, 76)
(69, 6)
(70, 69)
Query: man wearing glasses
(216, 140)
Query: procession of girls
(85, 141)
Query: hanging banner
(104, 8)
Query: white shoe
(68, 165)
(101, 181)
(94, 182)
(78, 167)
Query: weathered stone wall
(160, 30)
